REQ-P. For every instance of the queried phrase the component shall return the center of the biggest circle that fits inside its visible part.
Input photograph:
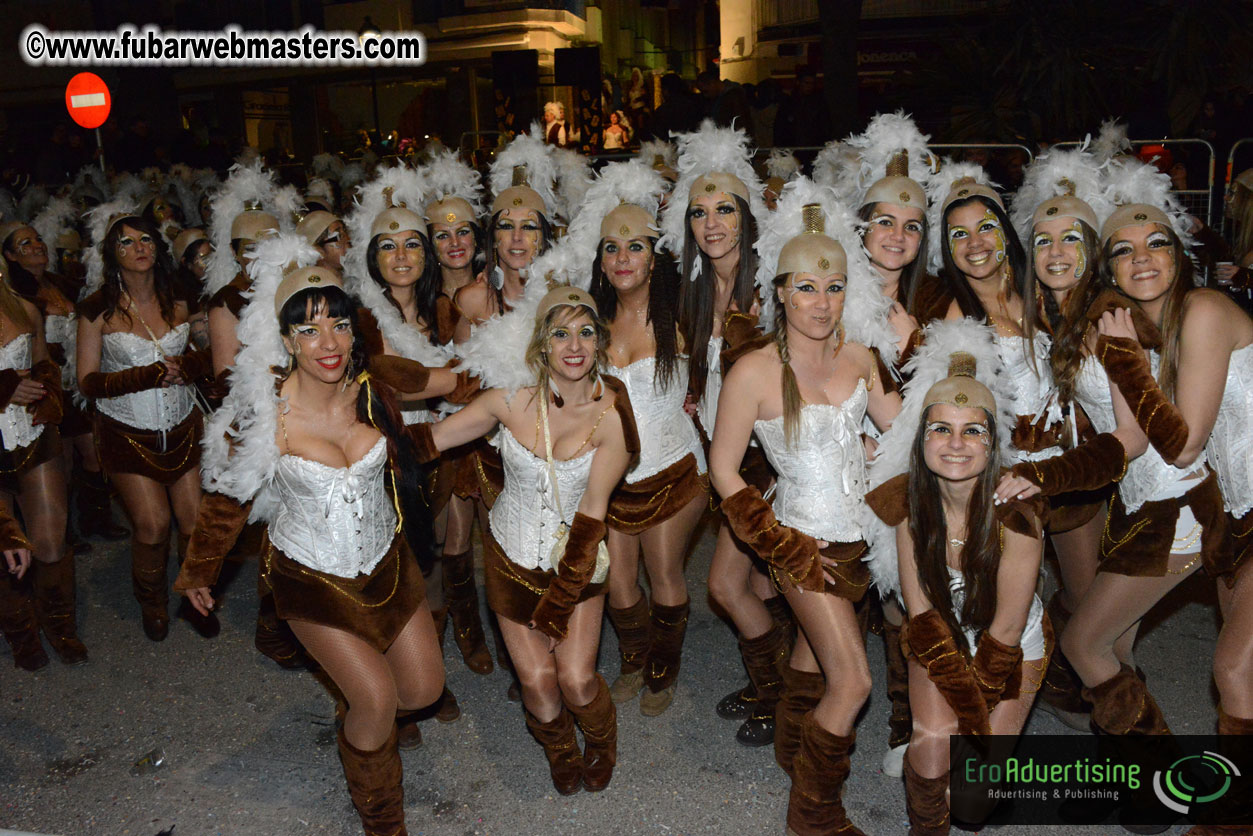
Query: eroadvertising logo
(1174, 787)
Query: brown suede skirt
(850, 577)
(74, 421)
(373, 607)
(126, 449)
(16, 463)
(514, 592)
(1069, 511)
(638, 506)
(1139, 544)
(477, 472)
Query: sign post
(88, 101)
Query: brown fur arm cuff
(405, 376)
(1091, 465)
(1111, 300)
(125, 382)
(998, 670)
(11, 534)
(423, 442)
(574, 572)
(197, 364)
(219, 519)
(49, 408)
(740, 335)
(467, 389)
(890, 501)
(789, 552)
(928, 640)
(1161, 421)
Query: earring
(291, 365)
(348, 374)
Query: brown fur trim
(371, 334)
(1033, 437)
(791, 553)
(801, 692)
(197, 364)
(50, 408)
(1123, 705)
(91, 308)
(231, 296)
(11, 534)
(404, 376)
(933, 646)
(1111, 300)
(1023, 516)
(998, 670)
(932, 298)
(125, 382)
(1241, 533)
(638, 506)
(890, 501)
(886, 380)
(9, 380)
(1089, 466)
(552, 614)
(740, 335)
(1229, 725)
(914, 342)
(819, 770)
(1125, 363)
(219, 520)
(163, 456)
(622, 405)
(446, 317)
(424, 442)
(376, 784)
(925, 802)
(467, 388)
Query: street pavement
(247, 749)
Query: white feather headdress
(937, 189)
(1057, 172)
(448, 175)
(97, 227)
(865, 306)
(705, 150)
(1129, 180)
(651, 149)
(574, 178)
(531, 151)
(239, 449)
(928, 365)
(885, 136)
(783, 164)
(328, 166)
(1111, 141)
(56, 218)
(352, 176)
(247, 182)
(836, 167)
(183, 181)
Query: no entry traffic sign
(87, 99)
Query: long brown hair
(1069, 322)
(981, 555)
(916, 272)
(663, 287)
(162, 270)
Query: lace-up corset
(1230, 447)
(666, 432)
(707, 407)
(524, 519)
(162, 408)
(16, 429)
(822, 476)
(337, 520)
(1033, 393)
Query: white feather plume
(1111, 141)
(239, 448)
(938, 189)
(352, 176)
(1129, 180)
(836, 167)
(708, 149)
(97, 227)
(93, 176)
(447, 174)
(782, 163)
(184, 187)
(886, 135)
(328, 166)
(246, 182)
(928, 365)
(574, 178)
(55, 218)
(1042, 179)
(531, 151)
(32, 202)
(652, 148)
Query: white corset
(1033, 392)
(16, 429)
(822, 477)
(666, 432)
(1032, 638)
(707, 407)
(524, 519)
(63, 331)
(1230, 447)
(162, 408)
(420, 415)
(1092, 393)
(1149, 478)
(337, 520)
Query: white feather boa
(1128, 180)
(250, 181)
(928, 365)
(55, 218)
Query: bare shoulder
(473, 301)
(756, 362)
(861, 355)
(1208, 310)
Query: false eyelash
(936, 425)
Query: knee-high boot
(375, 782)
(741, 704)
(95, 509)
(55, 596)
(1228, 726)
(599, 722)
(1122, 705)
(565, 761)
(814, 807)
(463, 606)
(18, 623)
(634, 638)
(1062, 691)
(669, 625)
(764, 658)
(901, 720)
(925, 803)
(801, 692)
(151, 586)
(207, 626)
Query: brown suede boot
(408, 732)
(764, 658)
(801, 692)
(1061, 693)
(54, 607)
(95, 508)
(207, 626)
(462, 596)
(634, 637)
(274, 639)
(781, 614)
(669, 625)
(901, 719)
(925, 803)
(376, 784)
(565, 761)
(151, 586)
(599, 722)
(1122, 705)
(814, 807)
(18, 623)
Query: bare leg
(43, 505)
(1078, 553)
(734, 585)
(1233, 655)
(833, 635)
(665, 549)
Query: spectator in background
(639, 99)
(803, 119)
(765, 108)
(725, 100)
(679, 112)
(555, 124)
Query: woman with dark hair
(328, 235)
(31, 472)
(977, 637)
(713, 212)
(133, 362)
(191, 251)
(310, 441)
(656, 509)
(805, 396)
(566, 442)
